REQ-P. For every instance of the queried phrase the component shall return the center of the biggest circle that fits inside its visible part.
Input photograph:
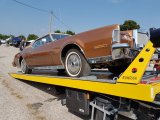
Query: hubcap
(74, 64)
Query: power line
(43, 10)
(60, 20)
(39, 9)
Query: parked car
(29, 42)
(99, 48)
(3, 41)
(24, 44)
(16, 41)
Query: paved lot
(27, 101)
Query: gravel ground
(24, 100)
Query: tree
(57, 31)
(1, 36)
(70, 32)
(22, 36)
(67, 32)
(4, 37)
(129, 25)
(12, 36)
(32, 37)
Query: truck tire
(157, 116)
(24, 67)
(76, 64)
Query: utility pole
(50, 23)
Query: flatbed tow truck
(134, 94)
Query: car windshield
(59, 36)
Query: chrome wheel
(76, 64)
(73, 64)
(23, 66)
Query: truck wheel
(158, 118)
(76, 65)
(24, 68)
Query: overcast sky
(79, 15)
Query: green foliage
(129, 25)
(12, 36)
(57, 31)
(32, 37)
(22, 36)
(70, 32)
(4, 37)
(67, 32)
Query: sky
(77, 15)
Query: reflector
(134, 70)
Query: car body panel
(39, 56)
(98, 40)
(94, 43)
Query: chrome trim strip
(120, 45)
(102, 59)
(48, 67)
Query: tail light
(116, 35)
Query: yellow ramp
(144, 92)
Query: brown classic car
(105, 47)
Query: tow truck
(134, 94)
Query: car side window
(58, 36)
(48, 39)
(42, 41)
(37, 43)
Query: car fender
(78, 43)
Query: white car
(29, 42)
(3, 41)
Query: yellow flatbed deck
(144, 92)
(128, 85)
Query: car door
(41, 52)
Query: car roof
(59, 33)
(52, 33)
